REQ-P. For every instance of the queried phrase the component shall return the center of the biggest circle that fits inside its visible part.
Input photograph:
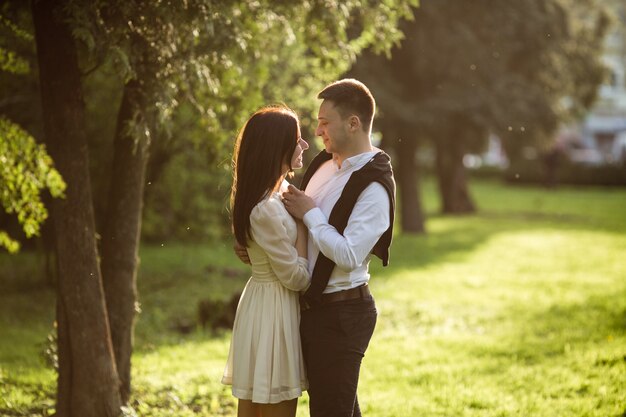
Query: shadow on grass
(451, 238)
(197, 396)
(174, 279)
(546, 334)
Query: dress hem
(246, 394)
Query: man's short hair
(351, 96)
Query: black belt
(362, 291)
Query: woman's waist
(262, 277)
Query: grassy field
(519, 310)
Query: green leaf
(25, 170)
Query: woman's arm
(288, 262)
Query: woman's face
(296, 158)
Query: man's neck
(362, 147)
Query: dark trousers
(334, 339)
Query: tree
(88, 380)
(464, 70)
(203, 52)
(26, 169)
(385, 79)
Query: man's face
(332, 128)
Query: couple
(306, 316)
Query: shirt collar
(355, 161)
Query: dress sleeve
(269, 232)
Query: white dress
(265, 361)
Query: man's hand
(241, 253)
(296, 202)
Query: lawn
(519, 310)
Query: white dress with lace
(265, 361)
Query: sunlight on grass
(182, 378)
(524, 322)
(519, 310)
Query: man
(348, 206)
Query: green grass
(519, 310)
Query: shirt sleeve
(269, 232)
(367, 223)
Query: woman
(265, 365)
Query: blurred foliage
(19, 89)
(187, 212)
(228, 58)
(517, 69)
(10, 60)
(524, 171)
(204, 66)
(26, 170)
(467, 69)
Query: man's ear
(354, 123)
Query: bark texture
(452, 178)
(88, 382)
(121, 233)
(411, 212)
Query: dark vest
(378, 169)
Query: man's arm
(368, 221)
(241, 252)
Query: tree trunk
(88, 382)
(452, 177)
(411, 213)
(64, 353)
(121, 233)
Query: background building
(604, 128)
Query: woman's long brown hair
(266, 141)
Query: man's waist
(338, 285)
(341, 280)
(360, 292)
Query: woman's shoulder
(269, 207)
